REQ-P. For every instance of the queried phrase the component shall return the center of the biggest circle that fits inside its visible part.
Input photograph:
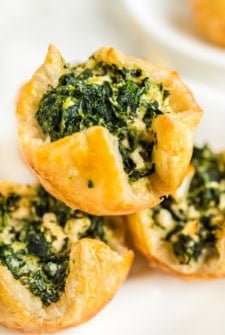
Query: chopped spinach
(44, 203)
(186, 249)
(189, 248)
(151, 112)
(90, 183)
(96, 229)
(210, 172)
(27, 244)
(202, 207)
(109, 96)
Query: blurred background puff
(185, 234)
(59, 266)
(109, 136)
(209, 19)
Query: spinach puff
(58, 266)
(109, 136)
(209, 19)
(186, 232)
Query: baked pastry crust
(96, 271)
(209, 19)
(64, 166)
(154, 234)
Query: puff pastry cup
(185, 234)
(209, 19)
(109, 136)
(58, 266)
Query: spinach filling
(198, 218)
(121, 100)
(36, 253)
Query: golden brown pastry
(185, 234)
(58, 266)
(209, 19)
(109, 136)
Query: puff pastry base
(64, 166)
(150, 241)
(95, 273)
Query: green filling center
(203, 206)
(27, 244)
(121, 100)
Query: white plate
(168, 23)
(150, 302)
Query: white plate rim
(170, 37)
